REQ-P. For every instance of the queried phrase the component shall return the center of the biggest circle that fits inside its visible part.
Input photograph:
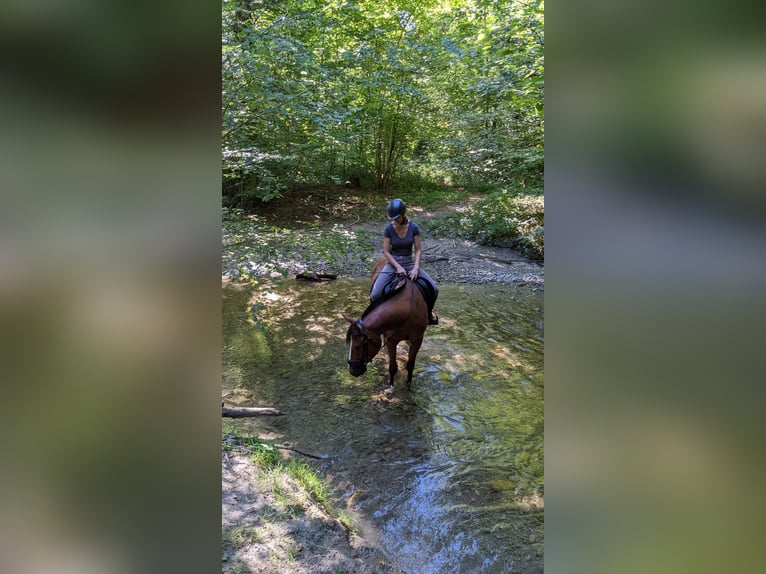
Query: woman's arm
(389, 257)
(418, 251)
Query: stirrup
(433, 319)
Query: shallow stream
(447, 477)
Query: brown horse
(401, 317)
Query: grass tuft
(266, 457)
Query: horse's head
(362, 346)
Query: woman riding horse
(399, 238)
(404, 315)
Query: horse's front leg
(392, 366)
(414, 348)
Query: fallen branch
(321, 457)
(240, 412)
(312, 276)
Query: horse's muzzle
(356, 368)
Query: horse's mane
(367, 311)
(375, 304)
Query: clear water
(447, 477)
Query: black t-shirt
(402, 246)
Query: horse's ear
(349, 319)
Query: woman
(399, 238)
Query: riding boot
(432, 318)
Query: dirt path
(447, 260)
(450, 260)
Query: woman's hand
(401, 271)
(414, 273)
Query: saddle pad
(426, 290)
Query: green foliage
(254, 177)
(308, 479)
(262, 452)
(317, 92)
(263, 249)
(425, 192)
(505, 218)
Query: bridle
(365, 355)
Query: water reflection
(450, 474)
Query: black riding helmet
(396, 208)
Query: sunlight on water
(451, 473)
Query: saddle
(393, 286)
(396, 284)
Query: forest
(381, 95)
(329, 110)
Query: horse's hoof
(389, 392)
